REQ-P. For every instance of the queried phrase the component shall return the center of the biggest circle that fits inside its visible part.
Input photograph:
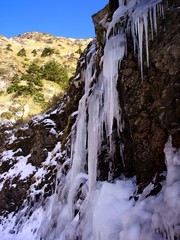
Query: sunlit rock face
(104, 163)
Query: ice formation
(105, 211)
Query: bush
(33, 81)
(19, 90)
(15, 79)
(22, 53)
(1, 92)
(33, 69)
(39, 98)
(34, 52)
(33, 85)
(8, 47)
(2, 71)
(79, 51)
(6, 115)
(47, 52)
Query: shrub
(33, 69)
(47, 52)
(15, 79)
(6, 115)
(22, 53)
(79, 51)
(34, 52)
(33, 81)
(8, 47)
(2, 71)
(19, 90)
(39, 97)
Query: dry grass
(65, 52)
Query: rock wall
(151, 105)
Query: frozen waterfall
(83, 207)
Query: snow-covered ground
(109, 212)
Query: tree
(53, 71)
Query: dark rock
(152, 106)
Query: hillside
(18, 53)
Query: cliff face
(151, 105)
(65, 169)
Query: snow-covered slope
(68, 174)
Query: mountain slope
(18, 53)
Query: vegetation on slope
(34, 70)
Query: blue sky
(68, 18)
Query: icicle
(113, 53)
(162, 10)
(79, 149)
(140, 40)
(145, 18)
(88, 74)
(79, 146)
(133, 32)
(151, 23)
(155, 19)
(93, 137)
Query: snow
(49, 122)
(27, 232)
(112, 201)
(157, 217)
(108, 212)
(20, 168)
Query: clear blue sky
(68, 18)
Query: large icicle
(93, 137)
(113, 54)
(79, 132)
